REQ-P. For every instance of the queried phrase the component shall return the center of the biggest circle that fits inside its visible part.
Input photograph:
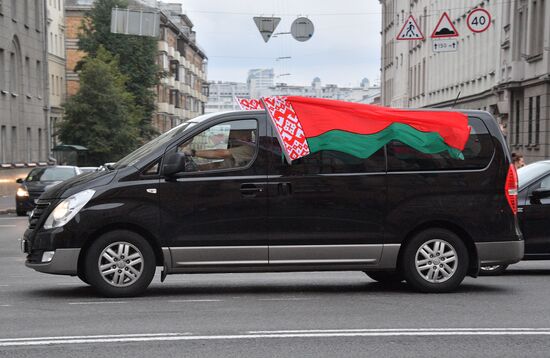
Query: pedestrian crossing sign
(410, 30)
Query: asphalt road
(335, 314)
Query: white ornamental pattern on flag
(289, 129)
(249, 104)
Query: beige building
(182, 94)
(504, 70)
(56, 62)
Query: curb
(7, 211)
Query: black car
(181, 202)
(533, 213)
(38, 181)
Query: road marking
(5, 305)
(8, 225)
(96, 302)
(286, 299)
(15, 218)
(34, 341)
(183, 301)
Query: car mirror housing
(19, 181)
(540, 193)
(173, 163)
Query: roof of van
(465, 111)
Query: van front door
(214, 214)
(326, 208)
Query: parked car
(37, 181)
(400, 214)
(533, 213)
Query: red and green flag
(307, 125)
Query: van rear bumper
(499, 252)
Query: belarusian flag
(307, 125)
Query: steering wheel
(190, 165)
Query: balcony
(163, 46)
(163, 107)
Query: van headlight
(67, 209)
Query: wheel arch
(473, 268)
(157, 250)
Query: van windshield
(162, 139)
(159, 141)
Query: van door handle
(250, 190)
(284, 189)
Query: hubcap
(120, 264)
(436, 261)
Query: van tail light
(511, 188)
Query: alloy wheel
(436, 261)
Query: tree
(136, 55)
(102, 116)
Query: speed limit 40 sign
(478, 20)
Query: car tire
(120, 263)
(493, 270)
(435, 261)
(385, 277)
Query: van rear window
(477, 153)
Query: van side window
(226, 145)
(329, 162)
(477, 153)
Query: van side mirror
(173, 163)
(19, 181)
(540, 193)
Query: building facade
(259, 80)
(503, 70)
(55, 19)
(23, 92)
(221, 96)
(362, 94)
(182, 92)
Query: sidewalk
(7, 204)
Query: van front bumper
(63, 262)
(500, 252)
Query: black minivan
(215, 194)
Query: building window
(537, 120)
(530, 122)
(26, 11)
(37, 12)
(39, 79)
(40, 144)
(2, 70)
(29, 81)
(14, 156)
(3, 144)
(29, 145)
(516, 130)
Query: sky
(344, 49)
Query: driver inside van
(238, 154)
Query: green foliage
(137, 55)
(103, 115)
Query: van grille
(39, 209)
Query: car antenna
(456, 99)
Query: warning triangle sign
(410, 30)
(444, 27)
(267, 26)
